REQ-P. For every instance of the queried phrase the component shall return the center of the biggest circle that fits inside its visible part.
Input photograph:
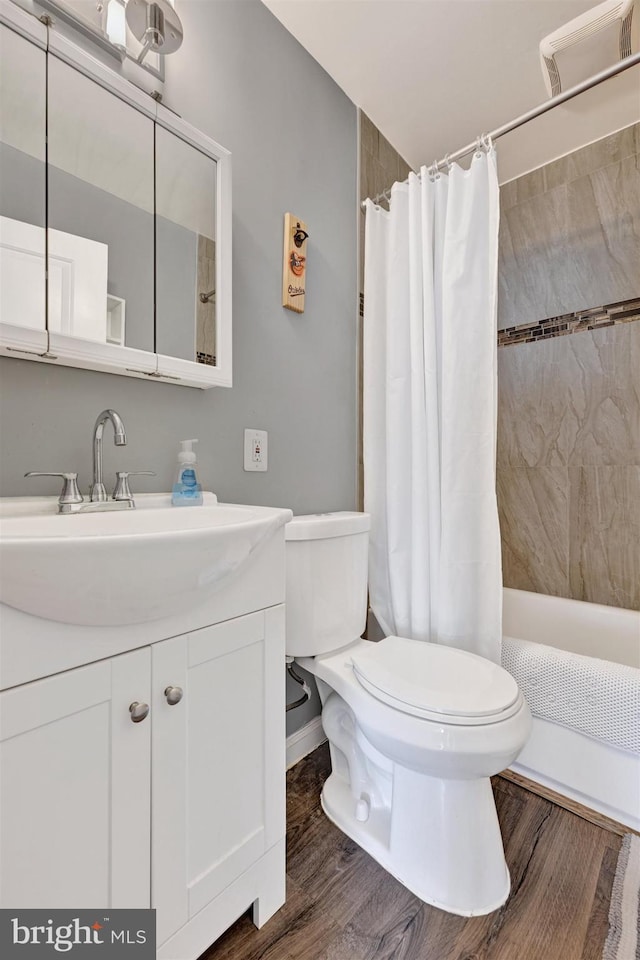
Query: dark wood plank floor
(342, 906)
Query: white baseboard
(304, 741)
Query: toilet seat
(437, 683)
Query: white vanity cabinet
(217, 769)
(184, 810)
(75, 776)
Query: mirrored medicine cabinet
(115, 220)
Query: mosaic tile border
(207, 358)
(607, 316)
(623, 312)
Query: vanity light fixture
(125, 29)
(155, 24)
(116, 25)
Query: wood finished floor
(341, 905)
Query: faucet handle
(121, 490)
(70, 492)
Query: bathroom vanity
(142, 764)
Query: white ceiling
(433, 74)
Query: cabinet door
(74, 788)
(218, 759)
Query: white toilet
(415, 729)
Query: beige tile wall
(380, 163)
(570, 232)
(206, 312)
(569, 465)
(569, 407)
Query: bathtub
(600, 772)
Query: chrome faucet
(71, 500)
(98, 492)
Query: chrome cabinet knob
(138, 711)
(174, 695)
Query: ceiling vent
(584, 46)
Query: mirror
(100, 214)
(185, 250)
(23, 182)
(129, 205)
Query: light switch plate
(255, 450)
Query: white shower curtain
(430, 389)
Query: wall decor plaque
(294, 268)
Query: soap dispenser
(186, 492)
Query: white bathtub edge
(589, 629)
(587, 771)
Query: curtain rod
(569, 94)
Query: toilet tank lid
(321, 526)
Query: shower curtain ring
(448, 162)
(487, 142)
(433, 172)
(479, 145)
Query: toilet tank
(326, 592)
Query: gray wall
(245, 81)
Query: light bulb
(116, 24)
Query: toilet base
(440, 838)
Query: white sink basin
(131, 566)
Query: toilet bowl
(415, 729)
